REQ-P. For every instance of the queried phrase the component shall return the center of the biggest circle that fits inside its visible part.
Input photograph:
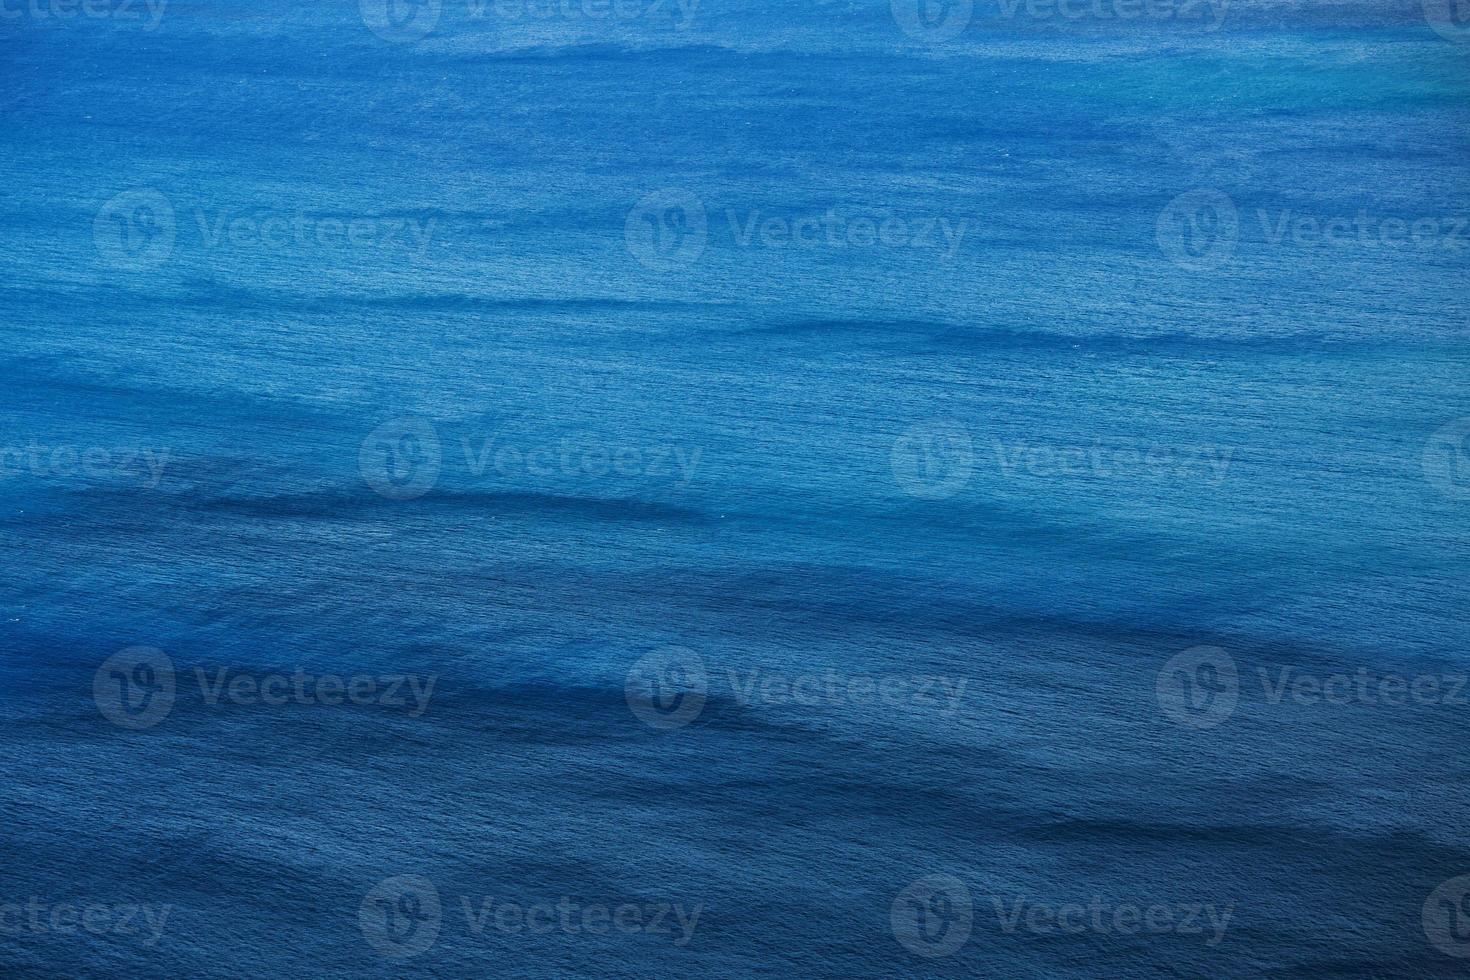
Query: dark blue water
(660, 385)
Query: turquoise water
(801, 344)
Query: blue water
(767, 399)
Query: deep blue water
(1009, 427)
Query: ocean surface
(863, 482)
